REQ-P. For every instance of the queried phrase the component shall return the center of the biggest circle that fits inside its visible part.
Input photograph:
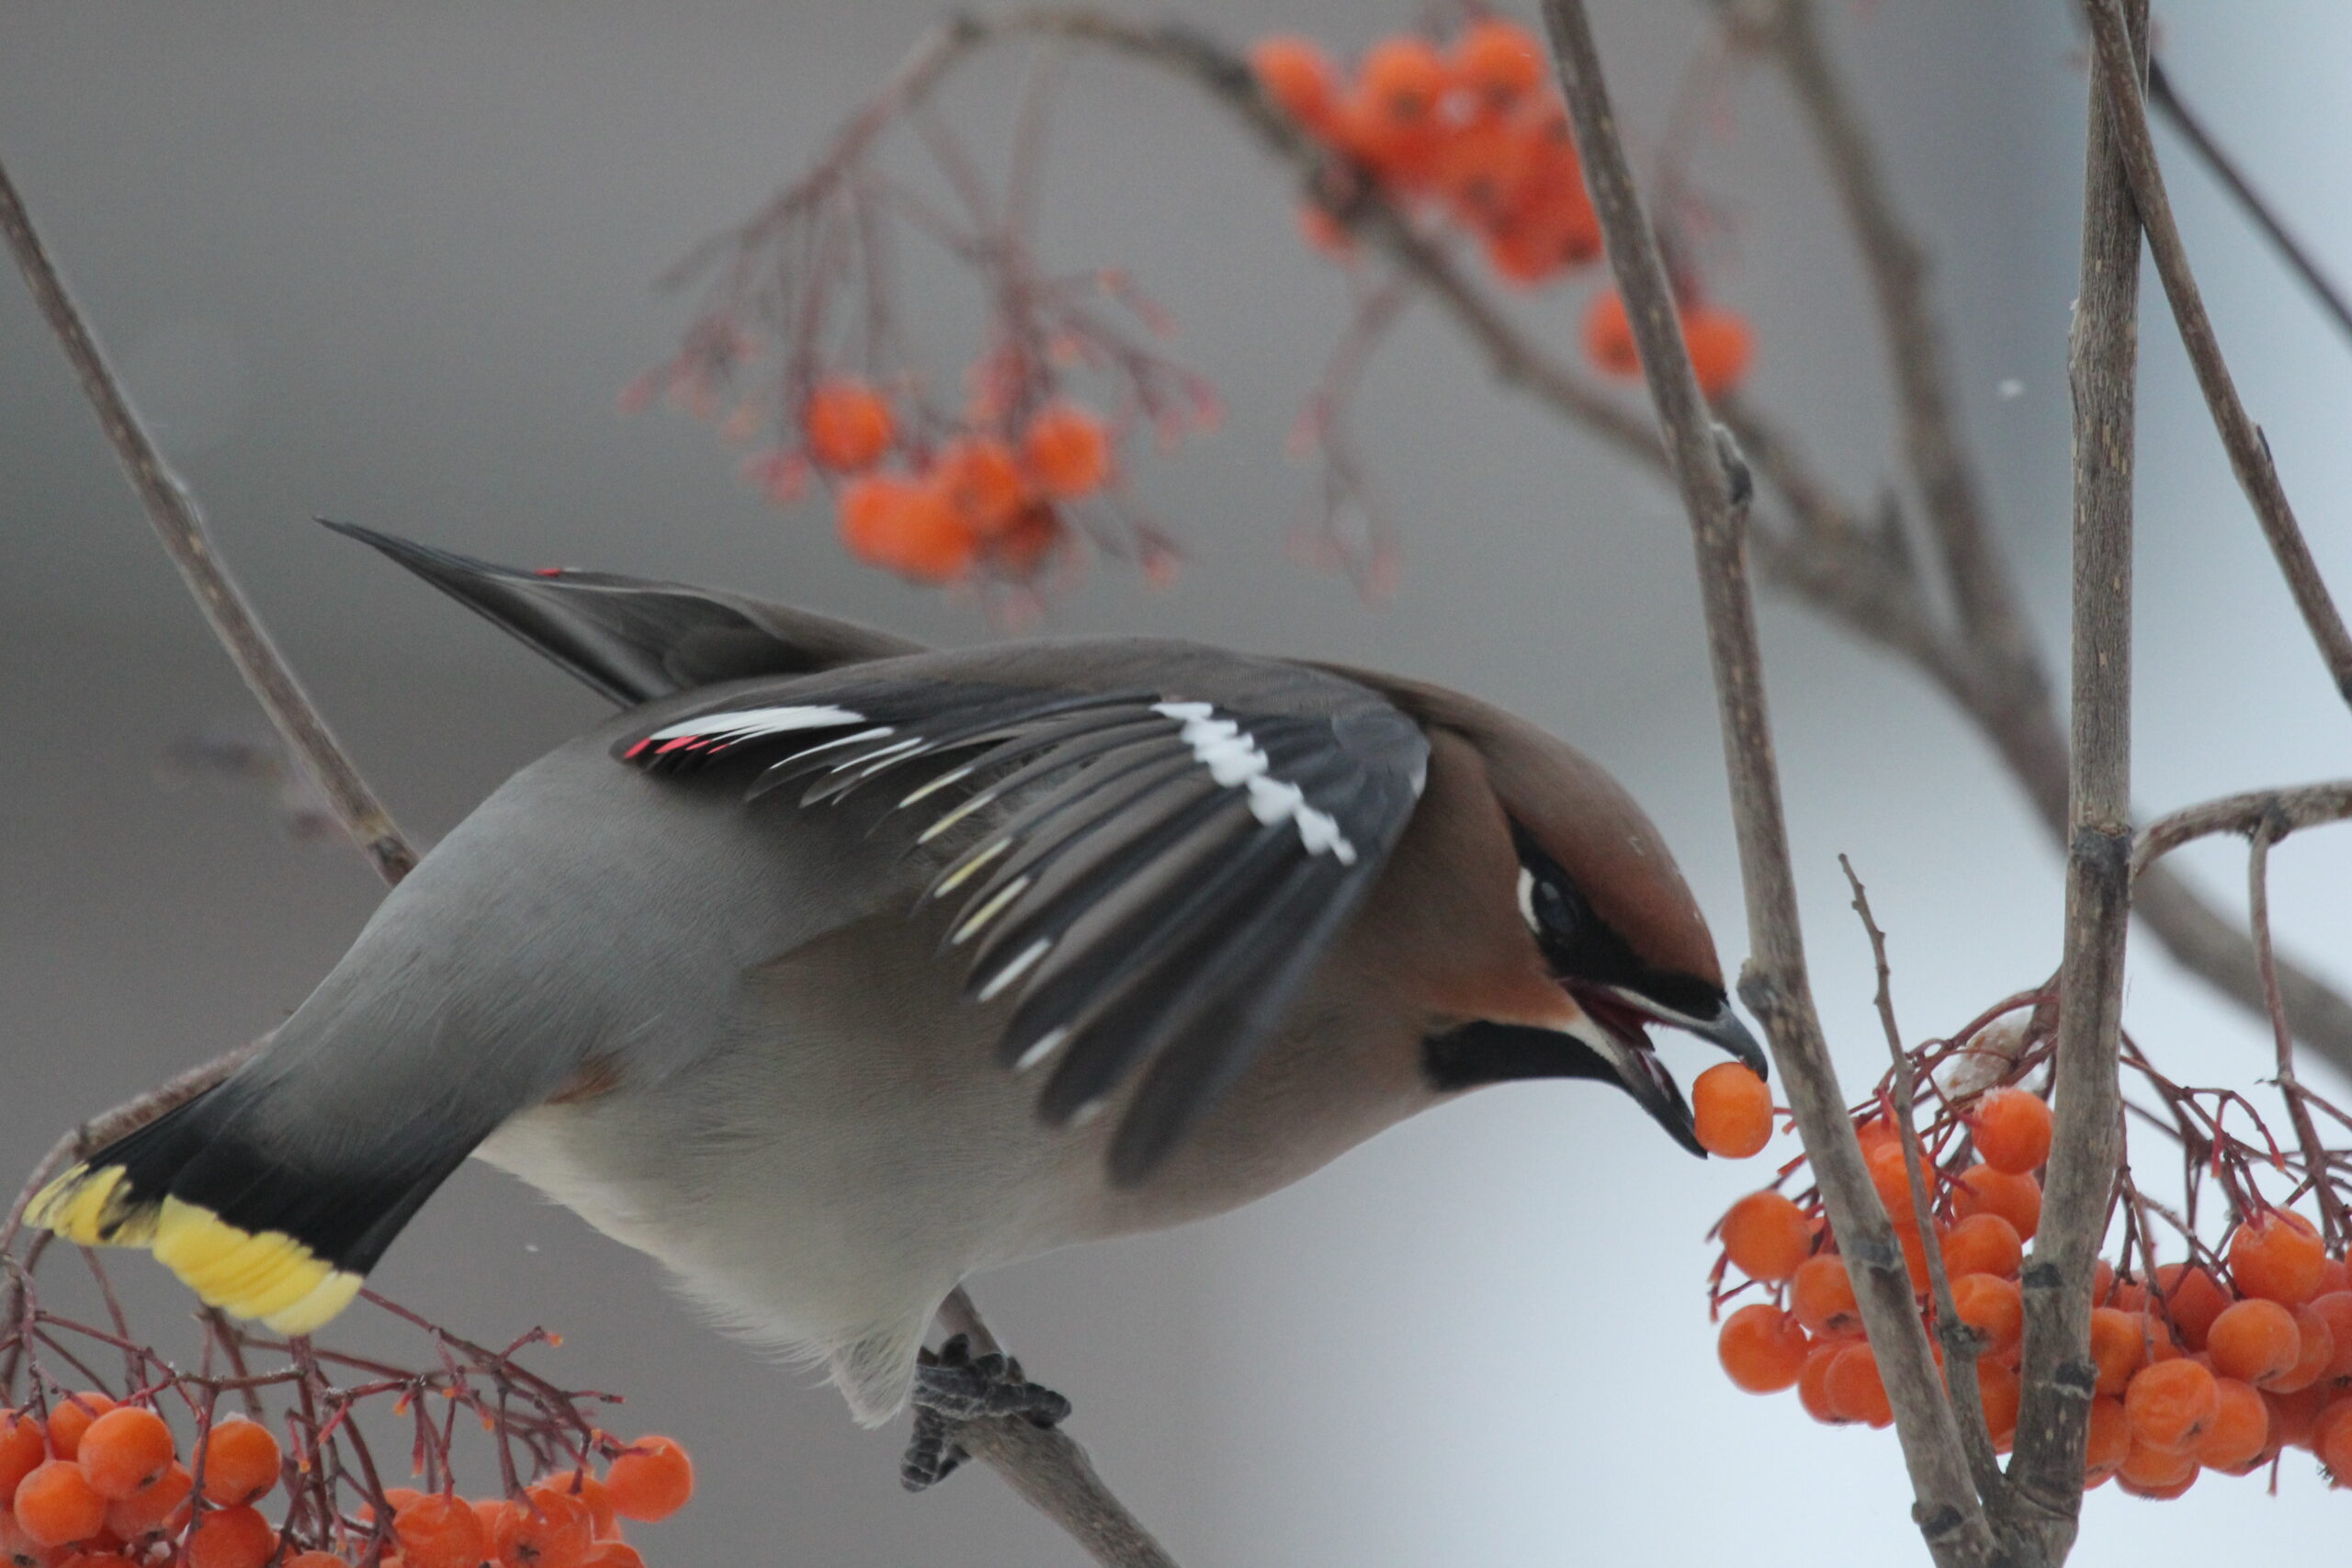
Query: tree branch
(1974, 568)
(2249, 452)
(2058, 1374)
(2224, 168)
(2281, 811)
(1716, 489)
(180, 524)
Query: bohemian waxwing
(810, 972)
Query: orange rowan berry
(2256, 1341)
(230, 1538)
(2332, 1440)
(1983, 1244)
(440, 1531)
(2241, 1430)
(71, 1418)
(86, 1559)
(2335, 1275)
(1813, 1383)
(848, 424)
(2001, 1393)
(1762, 1349)
(1821, 1294)
(2102, 1281)
(1733, 1113)
(1720, 346)
(1991, 1305)
(1855, 1390)
(2109, 1442)
(612, 1554)
(2119, 1345)
(2293, 1415)
(1297, 78)
(2012, 1131)
(544, 1529)
(2192, 1298)
(1499, 61)
(22, 1447)
(652, 1481)
(1767, 1237)
(982, 483)
(1915, 1256)
(1401, 78)
(151, 1507)
(1874, 1135)
(907, 527)
(1067, 451)
(19, 1550)
(124, 1451)
(2277, 1257)
(240, 1462)
(315, 1559)
(56, 1504)
(2317, 1351)
(1481, 169)
(1981, 1189)
(1890, 1173)
(2152, 1472)
(1609, 335)
(2171, 1405)
(594, 1493)
(2335, 1309)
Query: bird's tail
(249, 1229)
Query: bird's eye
(1555, 913)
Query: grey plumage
(668, 973)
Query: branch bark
(2058, 1374)
(1716, 488)
(2120, 78)
(2281, 811)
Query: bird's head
(1572, 916)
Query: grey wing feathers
(1161, 870)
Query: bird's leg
(954, 1386)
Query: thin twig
(2191, 126)
(2057, 1372)
(1716, 489)
(2257, 880)
(2281, 811)
(180, 524)
(2249, 452)
(1960, 1340)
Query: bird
(835, 969)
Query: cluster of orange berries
(2199, 1368)
(976, 501)
(1476, 131)
(101, 1485)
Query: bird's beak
(1612, 1026)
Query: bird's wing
(632, 639)
(1164, 852)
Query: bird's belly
(847, 1153)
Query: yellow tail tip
(268, 1275)
(91, 1208)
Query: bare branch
(1716, 489)
(2191, 126)
(180, 524)
(2277, 811)
(2058, 1374)
(2257, 877)
(1975, 571)
(1959, 1341)
(2249, 452)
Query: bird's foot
(954, 1386)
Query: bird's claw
(954, 1386)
